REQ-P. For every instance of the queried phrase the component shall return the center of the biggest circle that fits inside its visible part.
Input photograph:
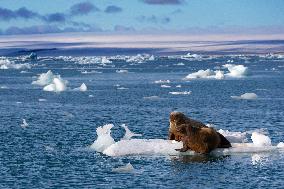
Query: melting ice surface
(127, 146)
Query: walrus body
(200, 140)
(177, 119)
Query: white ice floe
(121, 71)
(259, 139)
(104, 60)
(107, 146)
(178, 86)
(104, 139)
(124, 169)
(82, 88)
(162, 81)
(51, 82)
(5, 64)
(128, 134)
(234, 71)
(246, 96)
(151, 97)
(42, 100)
(180, 93)
(234, 137)
(122, 88)
(24, 124)
(165, 86)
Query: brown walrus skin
(201, 140)
(178, 118)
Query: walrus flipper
(224, 143)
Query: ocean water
(52, 147)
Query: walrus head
(176, 119)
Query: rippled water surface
(53, 150)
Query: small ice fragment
(124, 169)
(280, 145)
(121, 71)
(260, 139)
(24, 124)
(178, 86)
(246, 96)
(151, 97)
(165, 86)
(128, 134)
(180, 93)
(82, 88)
(162, 81)
(42, 100)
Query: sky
(18, 17)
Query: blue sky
(136, 16)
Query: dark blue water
(53, 150)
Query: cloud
(113, 9)
(83, 8)
(163, 2)
(23, 12)
(154, 19)
(55, 17)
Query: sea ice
(44, 78)
(24, 124)
(260, 140)
(121, 71)
(124, 169)
(104, 139)
(246, 96)
(165, 86)
(236, 70)
(162, 81)
(7, 64)
(181, 93)
(82, 88)
(128, 134)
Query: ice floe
(7, 64)
(122, 71)
(162, 81)
(165, 86)
(246, 96)
(51, 82)
(124, 169)
(106, 144)
(234, 71)
(24, 124)
(180, 92)
(82, 88)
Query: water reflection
(199, 158)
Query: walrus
(199, 139)
(178, 118)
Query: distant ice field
(52, 107)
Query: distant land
(163, 44)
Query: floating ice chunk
(82, 88)
(4, 87)
(219, 74)
(58, 85)
(122, 88)
(143, 147)
(42, 100)
(191, 56)
(201, 74)
(44, 78)
(234, 137)
(180, 64)
(24, 124)
(165, 86)
(181, 93)
(7, 64)
(128, 134)
(124, 169)
(236, 70)
(121, 71)
(162, 81)
(105, 60)
(104, 139)
(152, 58)
(246, 96)
(280, 145)
(178, 86)
(152, 97)
(33, 56)
(260, 140)
(91, 96)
